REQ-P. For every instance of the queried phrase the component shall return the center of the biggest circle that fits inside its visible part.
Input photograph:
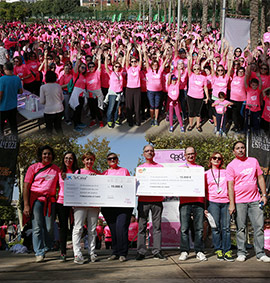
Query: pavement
(23, 268)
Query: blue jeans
(223, 126)
(42, 227)
(186, 210)
(255, 214)
(154, 98)
(221, 236)
(112, 112)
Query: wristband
(264, 195)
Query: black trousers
(11, 117)
(78, 113)
(133, 104)
(118, 220)
(94, 110)
(63, 213)
(53, 121)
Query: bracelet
(264, 195)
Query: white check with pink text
(170, 181)
(99, 191)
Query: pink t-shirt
(150, 198)
(190, 199)
(107, 233)
(133, 230)
(105, 78)
(219, 84)
(173, 91)
(93, 80)
(154, 80)
(80, 82)
(23, 71)
(143, 81)
(265, 81)
(253, 99)
(133, 77)
(266, 109)
(99, 230)
(244, 174)
(119, 171)
(183, 78)
(60, 198)
(45, 182)
(216, 185)
(238, 90)
(221, 106)
(196, 86)
(116, 81)
(86, 171)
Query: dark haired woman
(51, 95)
(218, 204)
(39, 191)
(118, 218)
(69, 165)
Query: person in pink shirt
(69, 165)
(265, 121)
(191, 206)
(133, 89)
(39, 193)
(80, 213)
(23, 72)
(217, 206)
(33, 65)
(115, 92)
(221, 108)
(118, 218)
(133, 231)
(154, 85)
(93, 86)
(244, 175)
(108, 237)
(196, 91)
(100, 232)
(173, 95)
(253, 102)
(266, 35)
(237, 97)
(145, 205)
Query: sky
(129, 147)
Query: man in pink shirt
(145, 204)
(243, 174)
(191, 206)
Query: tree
(189, 20)
(254, 15)
(7, 213)
(204, 15)
(214, 14)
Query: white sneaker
(93, 258)
(201, 256)
(241, 258)
(79, 259)
(183, 256)
(39, 258)
(264, 258)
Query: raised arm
(145, 56)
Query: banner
(237, 32)
(170, 157)
(9, 148)
(113, 18)
(155, 17)
(139, 17)
(259, 147)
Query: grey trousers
(143, 212)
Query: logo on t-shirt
(247, 171)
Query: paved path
(22, 268)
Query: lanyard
(217, 180)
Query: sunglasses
(264, 69)
(216, 158)
(112, 158)
(220, 70)
(133, 61)
(91, 67)
(16, 61)
(149, 150)
(117, 66)
(83, 67)
(196, 69)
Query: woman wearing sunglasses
(218, 204)
(118, 218)
(195, 96)
(115, 92)
(133, 90)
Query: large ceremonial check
(104, 191)
(170, 181)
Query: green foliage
(204, 146)
(7, 213)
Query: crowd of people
(227, 191)
(101, 72)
